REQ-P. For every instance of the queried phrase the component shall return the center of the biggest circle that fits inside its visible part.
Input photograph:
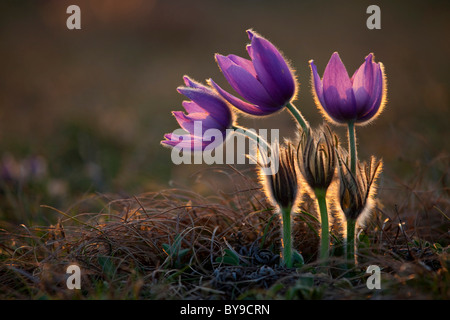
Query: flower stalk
(356, 193)
(350, 245)
(325, 233)
(253, 136)
(352, 146)
(287, 236)
(298, 116)
(317, 162)
(351, 223)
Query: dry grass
(178, 244)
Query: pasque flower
(317, 163)
(356, 193)
(317, 157)
(206, 108)
(342, 99)
(266, 81)
(282, 189)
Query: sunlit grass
(178, 244)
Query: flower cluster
(266, 85)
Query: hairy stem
(287, 236)
(298, 116)
(325, 234)
(253, 136)
(351, 227)
(352, 147)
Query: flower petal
(211, 103)
(273, 71)
(240, 104)
(203, 121)
(206, 120)
(186, 142)
(192, 107)
(244, 82)
(194, 84)
(317, 85)
(244, 63)
(184, 121)
(337, 90)
(363, 83)
(378, 98)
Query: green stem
(287, 236)
(351, 227)
(325, 235)
(352, 147)
(252, 135)
(298, 116)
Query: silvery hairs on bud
(281, 187)
(356, 193)
(317, 156)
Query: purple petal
(378, 84)
(187, 122)
(272, 70)
(184, 121)
(244, 82)
(377, 97)
(206, 120)
(194, 84)
(337, 90)
(192, 107)
(244, 63)
(242, 105)
(250, 51)
(250, 34)
(363, 83)
(317, 84)
(185, 142)
(211, 103)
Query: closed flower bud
(317, 157)
(281, 187)
(356, 192)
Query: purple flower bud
(359, 99)
(205, 107)
(265, 81)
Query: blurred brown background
(94, 103)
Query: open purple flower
(265, 81)
(206, 110)
(342, 99)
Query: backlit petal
(272, 70)
(363, 83)
(242, 105)
(244, 82)
(211, 103)
(337, 90)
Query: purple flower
(265, 81)
(342, 99)
(206, 110)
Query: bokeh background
(83, 111)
